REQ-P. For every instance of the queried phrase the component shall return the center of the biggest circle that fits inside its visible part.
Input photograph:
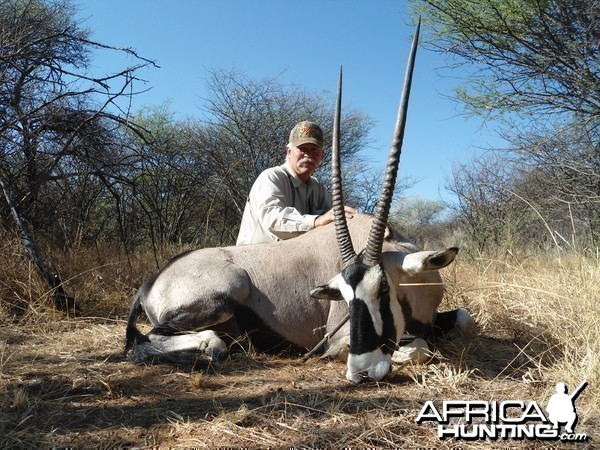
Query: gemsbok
(202, 300)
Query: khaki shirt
(280, 206)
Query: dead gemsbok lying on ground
(202, 298)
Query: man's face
(304, 159)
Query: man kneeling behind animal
(287, 201)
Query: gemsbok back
(203, 299)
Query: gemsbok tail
(132, 334)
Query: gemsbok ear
(424, 261)
(330, 291)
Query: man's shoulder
(274, 173)
(271, 176)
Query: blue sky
(303, 43)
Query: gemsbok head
(377, 321)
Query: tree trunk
(62, 301)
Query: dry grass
(63, 382)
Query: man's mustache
(308, 159)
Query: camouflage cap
(305, 132)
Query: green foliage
(541, 56)
(167, 182)
(534, 66)
(422, 221)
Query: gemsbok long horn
(376, 235)
(337, 197)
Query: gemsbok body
(204, 299)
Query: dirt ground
(66, 384)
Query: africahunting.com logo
(509, 419)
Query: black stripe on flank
(199, 314)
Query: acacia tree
(534, 65)
(55, 119)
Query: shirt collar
(296, 181)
